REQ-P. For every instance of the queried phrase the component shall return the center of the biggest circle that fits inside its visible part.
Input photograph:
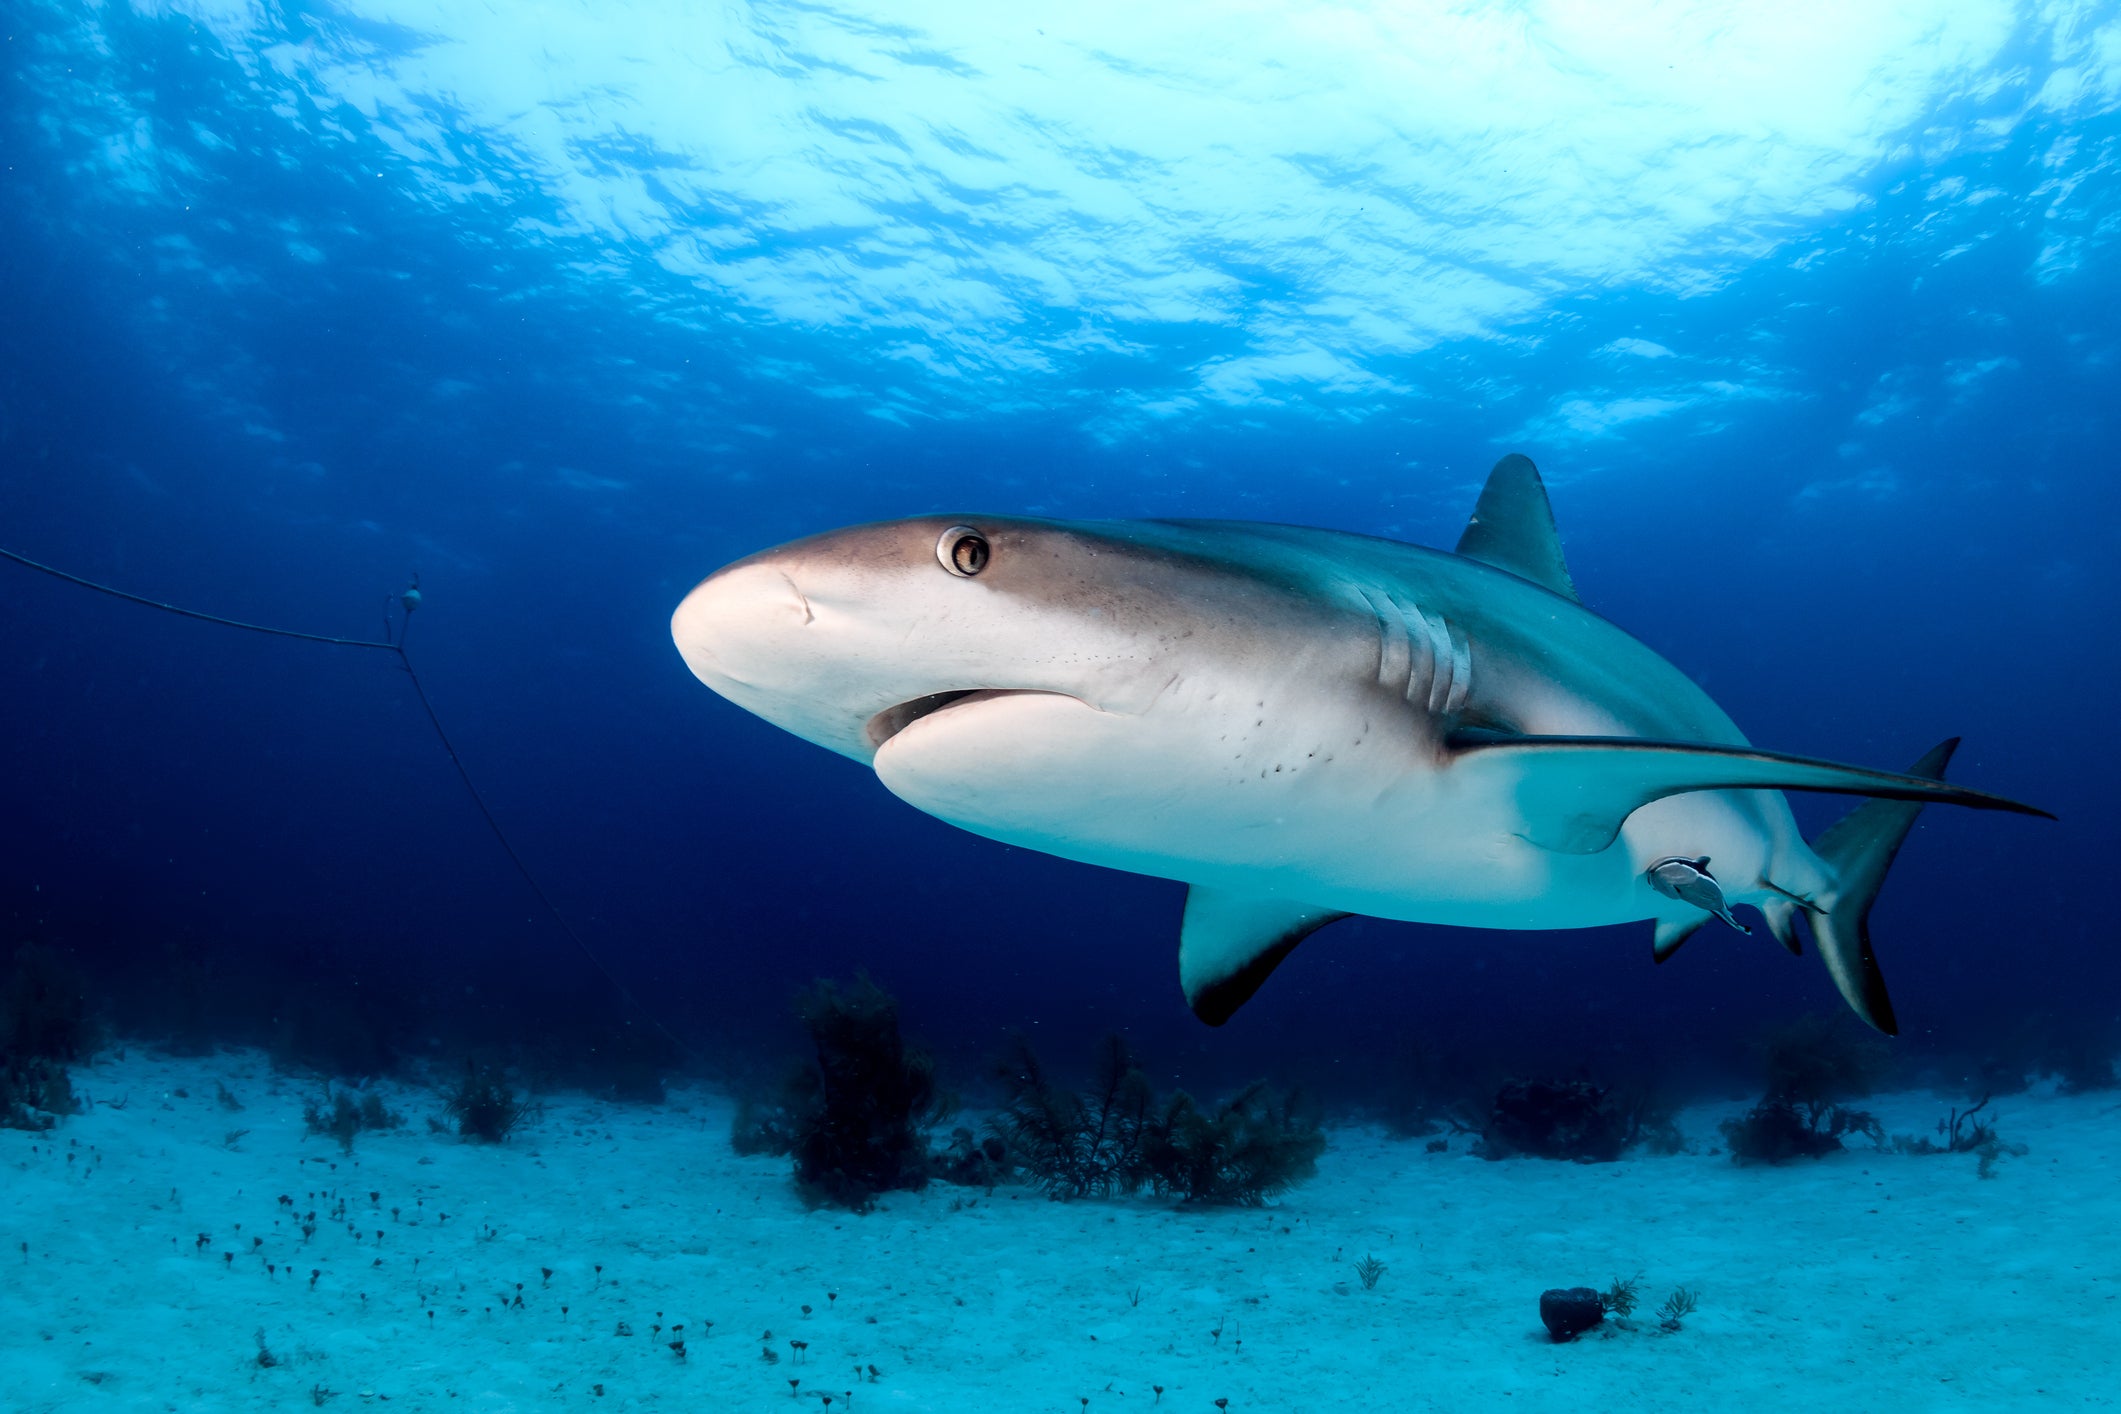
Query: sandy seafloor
(1864, 1279)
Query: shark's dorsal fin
(1230, 942)
(1513, 528)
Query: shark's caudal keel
(1301, 725)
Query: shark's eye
(963, 551)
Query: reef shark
(1301, 725)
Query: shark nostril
(800, 598)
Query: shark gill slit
(1461, 684)
(1410, 660)
(1421, 684)
(1442, 660)
(1394, 647)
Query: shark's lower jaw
(893, 720)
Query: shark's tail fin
(1858, 850)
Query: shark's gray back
(1529, 643)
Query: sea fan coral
(1248, 1149)
(1077, 1145)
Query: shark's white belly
(1332, 805)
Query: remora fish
(1303, 725)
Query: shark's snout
(735, 624)
(783, 639)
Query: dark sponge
(1570, 1311)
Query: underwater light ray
(410, 600)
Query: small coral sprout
(337, 1114)
(1677, 1307)
(1369, 1271)
(484, 1106)
(1620, 1299)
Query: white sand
(1864, 1279)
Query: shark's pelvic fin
(1513, 528)
(1670, 935)
(1859, 848)
(1575, 792)
(1231, 942)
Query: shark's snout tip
(746, 605)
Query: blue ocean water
(1809, 318)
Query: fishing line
(408, 601)
(41, 568)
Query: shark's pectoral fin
(1230, 942)
(1573, 793)
(1671, 934)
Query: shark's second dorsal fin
(1230, 942)
(1513, 528)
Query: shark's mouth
(893, 720)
